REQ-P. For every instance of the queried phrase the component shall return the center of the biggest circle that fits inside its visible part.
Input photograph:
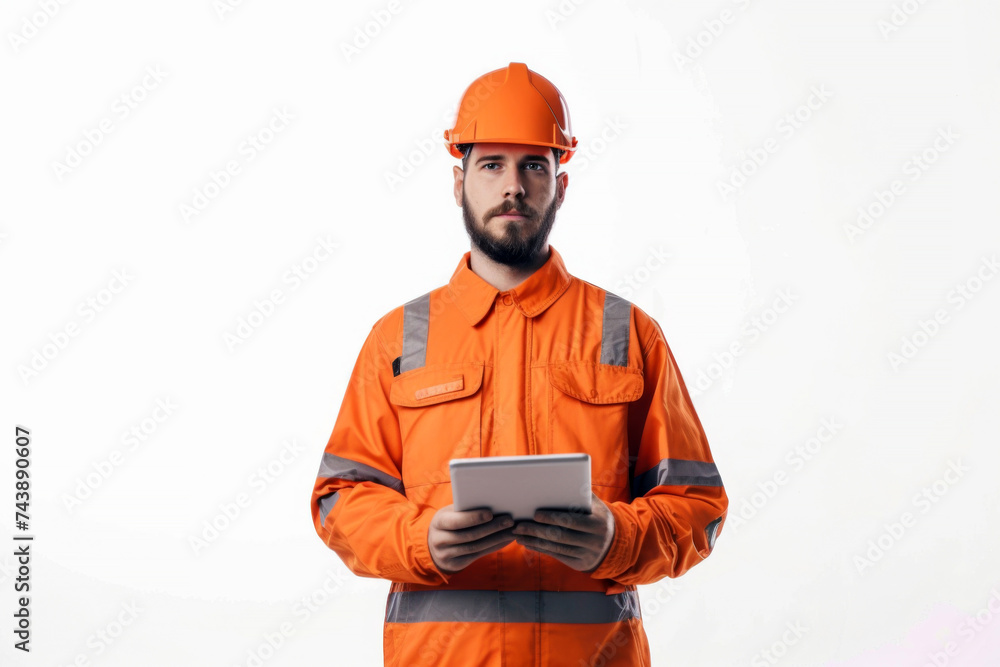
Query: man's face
(509, 194)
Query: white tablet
(518, 485)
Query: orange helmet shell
(513, 105)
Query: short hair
(467, 149)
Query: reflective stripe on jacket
(553, 365)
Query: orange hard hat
(513, 105)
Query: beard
(512, 248)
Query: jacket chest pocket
(439, 408)
(588, 412)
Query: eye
(541, 167)
(491, 164)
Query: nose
(512, 185)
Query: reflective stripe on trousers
(492, 606)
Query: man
(515, 356)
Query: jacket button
(507, 300)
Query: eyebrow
(500, 158)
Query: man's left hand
(578, 540)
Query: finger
(572, 561)
(549, 546)
(587, 523)
(452, 520)
(457, 549)
(552, 515)
(479, 547)
(465, 535)
(554, 533)
(464, 561)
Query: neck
(502, 276)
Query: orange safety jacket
(553, 365)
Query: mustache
(508, 206)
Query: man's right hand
(455, 538)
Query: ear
(459, 178)
(562, 182)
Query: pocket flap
(437, 383)
(596, 383)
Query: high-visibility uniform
(553, 365)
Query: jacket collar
(474, 296)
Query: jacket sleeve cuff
(421, 550)
(616, 560)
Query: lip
(511, 215)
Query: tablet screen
(518, 485)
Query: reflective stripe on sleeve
(710, 530)
(676, 472)
(491, 606)
(326, 504)
(355, 471)
(614, 331)
(416, 317)
(337, 467)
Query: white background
(688, 97)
